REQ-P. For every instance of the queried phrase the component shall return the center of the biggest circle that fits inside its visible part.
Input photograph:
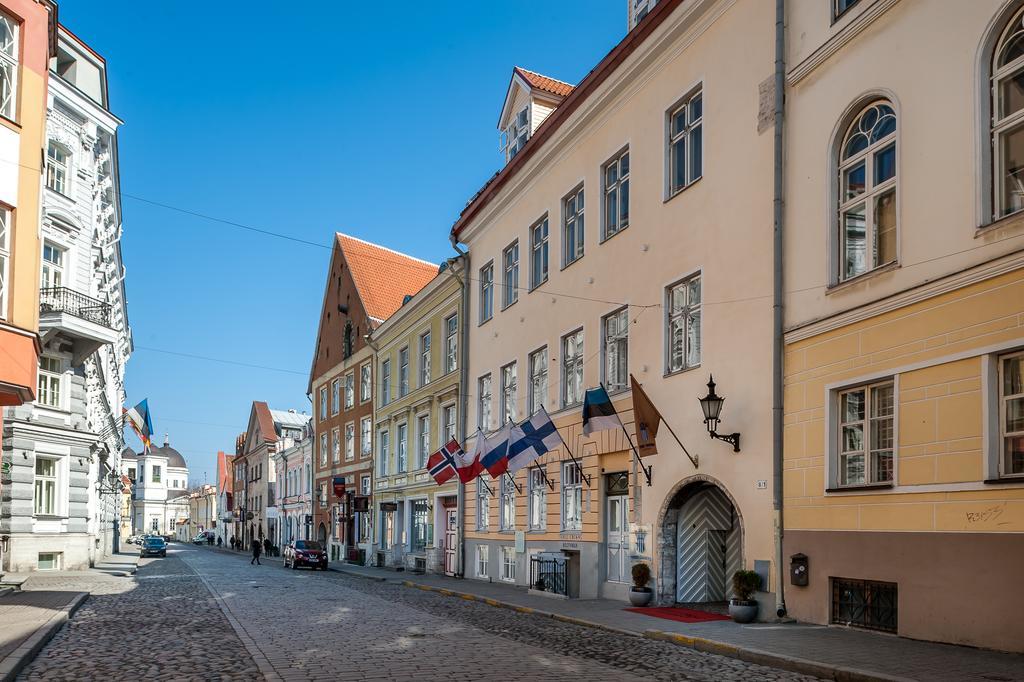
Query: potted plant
(742, 608)
(640, 594)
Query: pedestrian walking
(234, 542)
(256, 549)
(220, 541)
(267, 546)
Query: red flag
(441, 464)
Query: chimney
(167, 440)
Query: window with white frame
(482, 554)
(572, 368)
(517, 133)
(350, 390)
(365, 437)
(385, 382)
(539, 253)
(538, 506)
(867, 191)
(483, 411)
(865, 434)
(682, 324)
(46, 486)
(384, 451)
(638, 10)
(9, 52)
(403, 448)
(508, 392)
(156, 472)
(335, 396)
(336, 445)
(510, 274)
(53, 266)
(1011, 411)
(839, 7)
(425, 359)
(350, 441)
(422, 440)
(538, 365)
(364, 485)
(507, 512)
(1008, 118)
(483, 505)
(572, 226)
(448, 415)
(365, 383)
(57, 158)
(5, 251)
(616, 195)
(508, 564)
(486, 292)
(323, 495)
(685, 142)
(572, 497)
(403, 372)
(323, 449)
(615, 345)
(323, 403)
(49, 382)
(451, 343)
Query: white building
(293, 506)
(64, 503)
(160, 490)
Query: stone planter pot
(640, 596)
(743, 611)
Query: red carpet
(680, 614)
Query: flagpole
(667, 425)
(647, 472)
(519, 488)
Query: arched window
(1008, 118)
(867, 191)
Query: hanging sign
(339, 486)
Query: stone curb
(356, 574)
(16, 661)
(749, 655)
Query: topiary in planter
(641, 575)
(742, 608)
(640, 594)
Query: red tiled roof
(577, 95)
(383, 277)
(540, 82)
(266, 422)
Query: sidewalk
(827, 652)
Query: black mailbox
(798, 572)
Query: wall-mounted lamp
(711, 404)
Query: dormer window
(638, 9)
(517, 133)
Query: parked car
(305, 553)
(154, 546)
(203, 538)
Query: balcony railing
(65, 300)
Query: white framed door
(617, 538)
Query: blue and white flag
(495, 451)
(598, 412)
(531, 439)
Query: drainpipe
(460, 556)
(778, 301)
(368, 337)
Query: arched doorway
(700, 542)
(321, 534)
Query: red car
(305, 553)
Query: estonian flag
(598, 412)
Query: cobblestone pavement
(313, 625)
(160, 624)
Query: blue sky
(376, 119)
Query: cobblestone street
(164, 624)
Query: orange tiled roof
(536, 80)
(383, 277)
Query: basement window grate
(864, 604)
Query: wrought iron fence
(65, 300)
(548, 573)
(865, 604)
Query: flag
(469, 465)
(442, 465)
(647, 418)
(139, 419)
(598, 412)
(531, 439)
(495, 454)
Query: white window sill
(864, 276)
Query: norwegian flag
(442, 464)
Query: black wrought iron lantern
(711, 405)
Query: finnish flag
(531, 439)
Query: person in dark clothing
(220, 541)
(267, 546)
(257, 548)
(232, 542)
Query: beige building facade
(904, 368)
(627, 235)
(418, 355)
